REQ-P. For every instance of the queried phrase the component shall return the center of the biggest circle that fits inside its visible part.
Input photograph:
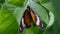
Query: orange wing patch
(32, 15)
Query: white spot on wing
(38, 20)
(23, 22)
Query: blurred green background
(11, 12)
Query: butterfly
(29, 17)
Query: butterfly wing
(29, 15)
(39, 22)
(36, 19)
(25, 22)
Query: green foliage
(32, 30)
(16, 2)
(11, 12)
(2, 1)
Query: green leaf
(44, 1)
(36, 1)
(19, 12)
(51, 21)
(18, 3)
(8, 22)
(6, 8)
(48, 5)
(32, 30)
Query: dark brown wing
(25, 22)
(27, 18)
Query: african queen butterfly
(28, 17)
